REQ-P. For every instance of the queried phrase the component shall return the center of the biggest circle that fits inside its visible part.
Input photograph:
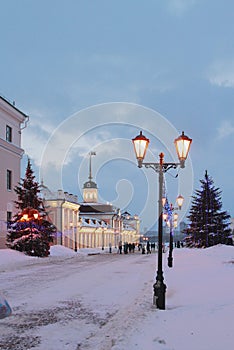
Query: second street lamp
(182, 144)
(171, 220)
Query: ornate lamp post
(171, 221)
(182, 144)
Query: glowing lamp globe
(182, 144)
(180, 200)
(140, 144)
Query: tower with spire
(90, 190)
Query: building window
(8, 133)
(9, 179)
(9, 216)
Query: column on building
(63, 211)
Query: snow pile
(10, 258)
(59, 250)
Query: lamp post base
(159, 294)
(170, 261)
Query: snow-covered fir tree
(30, 231)
(208, 223)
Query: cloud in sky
(173, 56)
(179, 7)
(120, 77)
(37, 133)
(221, 73)
(108, 129)
(226, 129)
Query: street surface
(76, 302)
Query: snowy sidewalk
(104, 302)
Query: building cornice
(10, 147)
(64, 203)
(10, 109)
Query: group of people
(126, 247)
(146, 249)
(130, 247)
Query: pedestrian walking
(130, 247)
(125, 247)
(120, 247)
(148, 247)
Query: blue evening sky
(174, 57)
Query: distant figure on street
(110, 248)
(148, 247)
(120, 247)
(125, 247)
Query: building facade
(88, 224)
(63, 211)
(12, 121)
(114, 226)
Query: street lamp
(30, 215)
(172, 222)
(182, 144)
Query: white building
(63, 211)
(120, 227)
(88, 224)
(12, 121)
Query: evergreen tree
(209, 225)
(29, 231)
(28, 191)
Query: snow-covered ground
(73, 301)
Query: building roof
(13, 106)
(93, 222)
(96, 208)
(90, 184)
